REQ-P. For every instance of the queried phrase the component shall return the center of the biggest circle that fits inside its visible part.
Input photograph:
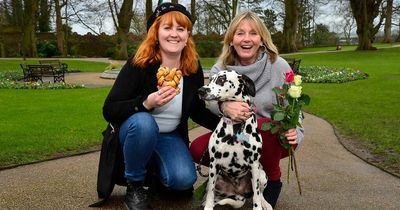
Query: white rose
(294, 91)
(297, 80)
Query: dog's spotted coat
(234, 149)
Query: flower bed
(323, 74)
(14, 80)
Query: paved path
(332, 178)
(89, 79)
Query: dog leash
(198, 167)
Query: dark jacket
(132, 87)
(126, 97)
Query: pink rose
(289, 76)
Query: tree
(387, 37)
(290, 26)
(44, 16)
(17, 14)
(219, 14)
(29, 28)
(269, 18)
(193, 10)
(347, 25)
(322, 35)
(306, 22)
(59, 28)
(398, 34)
(122, 22)
(149, 8)
(365, 12)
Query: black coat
(126, 97)
(132, 87)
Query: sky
(326, 17)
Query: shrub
(47, 48)
(208, 49)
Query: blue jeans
(143, 144)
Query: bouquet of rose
(286, 114)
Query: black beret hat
(164, 8)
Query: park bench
(37, 72)
(294, 64)
(25, 71)
(56, 64)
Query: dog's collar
(240, 135)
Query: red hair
(149, 53)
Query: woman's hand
(160, 98)
(235, 110)
(291, 136)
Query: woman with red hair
(153, 118)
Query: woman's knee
(141, 123)
(181, 180)
(199, 146)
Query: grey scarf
(259, 72)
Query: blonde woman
(249, 50)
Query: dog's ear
(249, 86)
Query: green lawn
(40, 124)
(345, 47)
(367, 110)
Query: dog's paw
(266, 206)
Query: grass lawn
(40, 124)
(345, 47)
(366, 110)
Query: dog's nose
(202, 92)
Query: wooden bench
(294, 64)
(37, 72)
(56, 64)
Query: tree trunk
(59, 29)
(364, 12)
(398, 35)
(149, 8)
(29, 29)
(387, 37)
(193, 10)
(44, 16)
(290, 26)
(234, 8)
(124, 22)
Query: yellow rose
(297, 80)
(294, 91)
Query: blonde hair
(149, 53)
(229, 55)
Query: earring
(265, 48)
(230, 44)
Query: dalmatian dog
(234, 171)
